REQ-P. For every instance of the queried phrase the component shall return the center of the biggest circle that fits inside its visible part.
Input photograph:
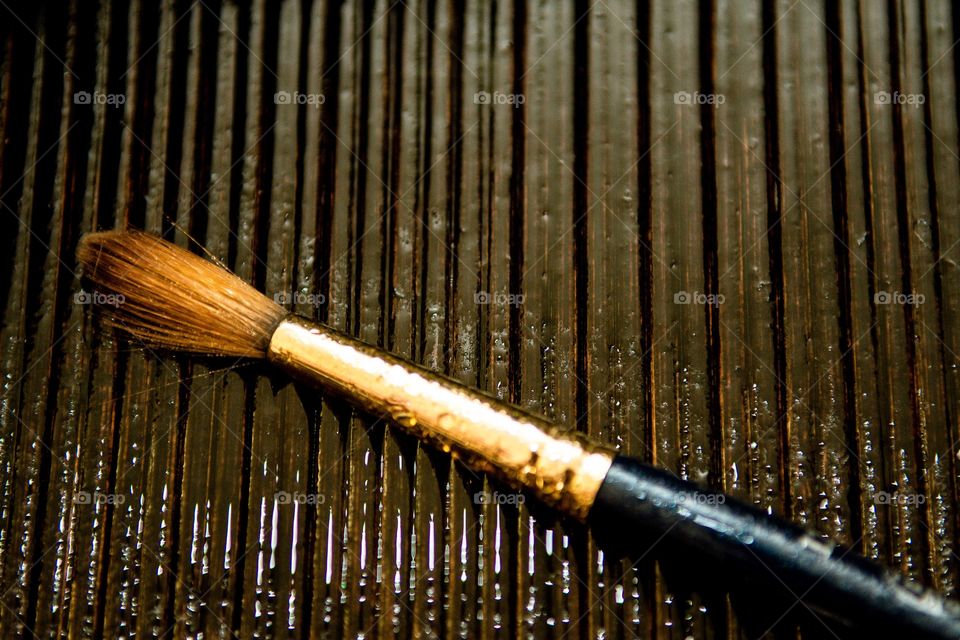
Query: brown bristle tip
(169, 297)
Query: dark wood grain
(683, 228)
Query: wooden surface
(162, 495)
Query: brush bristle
(171, 298)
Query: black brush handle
(639, 505)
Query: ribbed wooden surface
(630, 157)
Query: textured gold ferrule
(561, 468)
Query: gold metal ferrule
(560, 468)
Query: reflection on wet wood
(721, 235)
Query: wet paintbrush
(171, 298)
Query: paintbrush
(170, 298)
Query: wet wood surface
(722, 235)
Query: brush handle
(618, 495)
(768, 553)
